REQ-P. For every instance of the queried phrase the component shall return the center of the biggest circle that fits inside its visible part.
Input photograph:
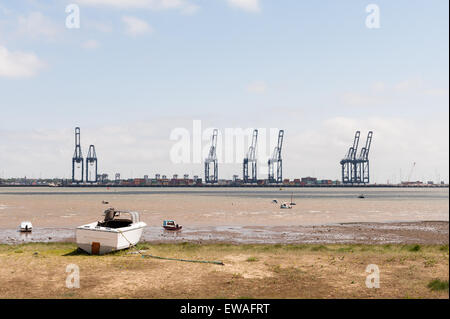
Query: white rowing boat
(26, 227)
(113, 233)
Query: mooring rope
(186, 260)
(174, 259)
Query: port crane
(251, 158)
(77, 158)
(411, 172)
(91, 164)
(276, 159)
(348, 163)
(363, 174)
(212, 159)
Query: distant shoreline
(232, 186)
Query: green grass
(193, 249)
(319, 248)
(414, 248)
(438, 285)
(252, 259)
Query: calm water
(68, 207)
(55, 212)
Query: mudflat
(427, 233)
(198, 207)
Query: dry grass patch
(250, 271)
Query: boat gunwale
(131, 227)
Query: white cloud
(90, 44)
(406, 92)
(438, 92)
(247, 5)
(36, 25)
(409, 84)
(135, 26)
(98, 26)
(183, 5)
(18, 64)
(257, 87)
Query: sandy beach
(38, 270)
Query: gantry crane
(276, 159)
(77, 158)
(212, 158)
(349, 165)
(411, 172)
(363, 174)
(251, 158)
(91, 163)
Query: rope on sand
(174, 259)
(186, 260)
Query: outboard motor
(109, 214)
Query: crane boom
(212, 151)
(276, 158)
(280, 143)
(252, 150)
(354, 148)
(212, 158)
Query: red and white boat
(171, 225)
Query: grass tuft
(414, 248)
(438, 285)
(319, 248)
(444, 248)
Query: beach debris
(275, 201)
(105, 202)
(137, 252)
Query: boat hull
(172, 228)
(102, 240)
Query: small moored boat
(285, 206)
(171, 225)
(26, 227)
(113, 233)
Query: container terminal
(355, 171)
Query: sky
(136, 73)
